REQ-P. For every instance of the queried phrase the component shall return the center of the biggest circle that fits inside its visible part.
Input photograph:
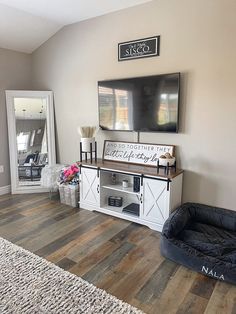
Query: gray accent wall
(15, 73)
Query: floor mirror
(31, 136)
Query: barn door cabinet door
(90, 186)
(155, 206)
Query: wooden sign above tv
(141, 48)
(135, 153)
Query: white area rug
(30, 284)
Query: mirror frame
(48, 96)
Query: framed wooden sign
(135, 153)
(140, 48)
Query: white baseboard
(5, 189)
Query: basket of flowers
(69, 185)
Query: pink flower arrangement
(70, 174)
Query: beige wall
(15, 73)
(197, 39)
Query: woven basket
(69, 194)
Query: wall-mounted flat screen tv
(142, 104)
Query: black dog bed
(202, 238)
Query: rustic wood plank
(81, 239)
(106, 265)
(123, 267)
(9, 219)
(155, 286)
(223, 299)
(139, 274)
(203, 286)
(20, 201)
(192, 304)
(54, 231)
(65, 263)
(123, 234)
(9, 231)
(40, 207)
(10, 199)
(138, 234)
(175, 291)
(146, 308)
(125, 288)
(81, 251)
(66, 213)
(72, 236)
(42, 222)
(147, 250)
(94, 258)
(9, 214)
(57, 241)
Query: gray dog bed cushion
(202, 238)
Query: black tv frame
(149, 76)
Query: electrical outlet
(1, 168)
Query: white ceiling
(26, 24)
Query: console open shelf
(119, 210)
(118, 187)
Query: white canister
(125, 183)
(86, 141)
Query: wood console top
(131, 168)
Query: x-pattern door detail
(155, 201)
(90, 186)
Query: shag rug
(30, 284)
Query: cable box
(132, 208)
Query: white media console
(159, 193)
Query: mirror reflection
(31, 138)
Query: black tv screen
(144, 104)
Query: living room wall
(15, 73)
(197, 39)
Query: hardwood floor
(121, 257)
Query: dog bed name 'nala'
(202, 238)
